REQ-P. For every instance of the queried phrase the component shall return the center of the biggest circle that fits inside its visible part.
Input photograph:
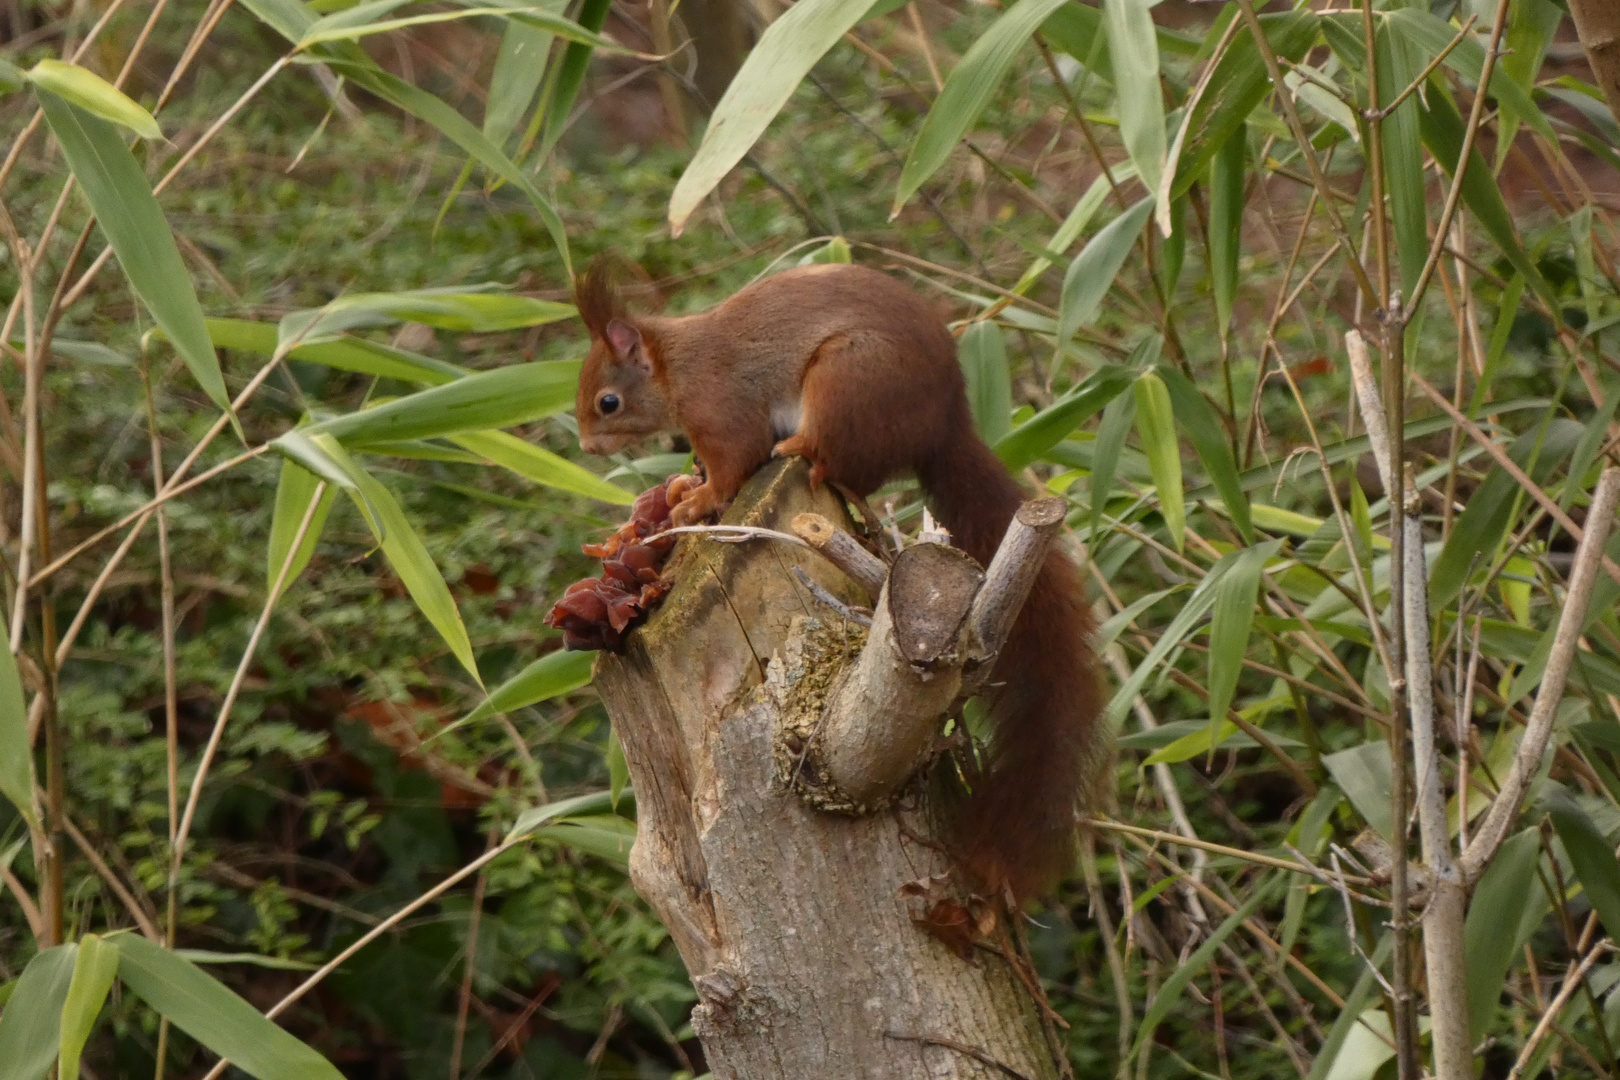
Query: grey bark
(807, 957)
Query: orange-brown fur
(878, 392)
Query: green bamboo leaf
(93, 971)
(606, 836)
(364, 19)
(1075, 223)
(786, 52)
(536, 816)
(1092, 272)
(405, 551)
(1117, 622)
(1078, 30)
(1398, 66)
(277, 963)
(1355, 1006)
(1035, 436)
(1488, 515)
(1184, 973)
(557, 98)
(500, 398)
(134, 225)
(31, 1026)
(1156, 424)
(1432, 35)
(1117, 420)
(1133, 49)
(1590, 853)
(204, 1008)
(1197, 605)
(16, 756)
(983, 355)
(93, 94)
(344, 353)
(359, 70)
(971, 85)
(1229, 626)
(1442, 133)
(1205, 431)
(541, 465)
(294, 491)
(1236, 87)
(1603, 601)
(1507, 311)
(1226, 224)
(1491, 931)
(520, 65)
(553, 675)
(1365, 774)
(457, 309)
(12, 79)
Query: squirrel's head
(619, 399)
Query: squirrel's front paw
(695, 505)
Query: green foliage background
(326, 810)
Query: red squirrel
(849, 368)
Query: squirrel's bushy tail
(1016, 826)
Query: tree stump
(806, 954)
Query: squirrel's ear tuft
(598, 301)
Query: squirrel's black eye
(608, 404)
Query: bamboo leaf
(520, 66)
(1035, 436)
(1204, 430)
(31, 1026)
(541, 465)
(294, 491)
(553, 675)
(405, 551)
(983, 355)
(94, 95)
(1156, 424)
(93, 971)
(344, 353)
(971, 85)
(365, 19)
(1229, 626)
(786, 52)
(457, 309)
(204, 1008)
(1365, 774)
(557, 99)
(1488, 515)
(1133, 48)
(500, 398)
(1236, 87)
(606, 836)
(1349, 1020)
(1197, 605)
(16, 754)
(1075, 223)
(536, 816)
(1226, 224)
(1092, 272)
(1590, 853)
(1403, 156)
(1491, 931)
(1117, 420)
(134, 225)
(1442, 134)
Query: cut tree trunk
(800, 926)
(1597, 22)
